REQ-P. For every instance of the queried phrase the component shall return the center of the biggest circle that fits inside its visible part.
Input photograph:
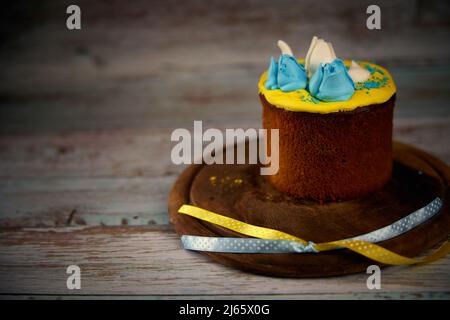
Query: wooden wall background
(86, 117)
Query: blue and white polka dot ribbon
(244, 245)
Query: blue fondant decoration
(331, 82)
(286, 74)
(272, 75)
(291, 74)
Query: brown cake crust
(334, 156)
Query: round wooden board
(240, 192)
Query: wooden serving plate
(240, 192)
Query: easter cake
(335, 123)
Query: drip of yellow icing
(365, 94)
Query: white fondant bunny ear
(319, 52)
(308, 54)
(358, 73)
(284, 47)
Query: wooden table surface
(86, 118)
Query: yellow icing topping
(379, 88)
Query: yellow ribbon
(367, 249)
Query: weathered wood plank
(174, 28)
(108, 153)
(118, 177)
(431, 135)
(172, 99)
(84, 201)
(307, 296)
(145, 152)
(165, 64)
(142, 261)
